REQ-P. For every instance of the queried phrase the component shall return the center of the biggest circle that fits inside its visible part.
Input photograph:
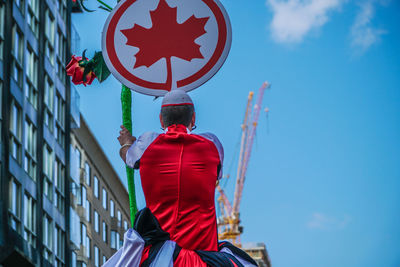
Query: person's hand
(125, 137)
(125, 140)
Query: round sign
(154, 46)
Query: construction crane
(229, 227)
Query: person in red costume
(178, 171)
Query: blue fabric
(131, 252)
(165, 255)
(237, 252)
(238, 258)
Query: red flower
(76, 72)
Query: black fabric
(154, 249)
(236, 251)
(136, 166)
(218, 259)
(219, 168)
(234, 259)
(177, 250)
(147, 226)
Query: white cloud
(322, 221)
(293, 19)
(363, 34)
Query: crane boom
(229, 223)
(248, 149)
(225, 201)
(243, 141)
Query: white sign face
(154, 46)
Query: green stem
(126, 101)
(104, 4)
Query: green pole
(126, 101)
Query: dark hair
(177, 115)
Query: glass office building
(61, 202)
(36, 103)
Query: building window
(84, 196)
(73, 259)
(96, 256)
(15, 131)
(88, 211)
(49, 103)
(31, 93)
(125, 225)
(49, 36)
(87, 173)
(2, 23)
(30, 220)
(78, 157)
(88, 246)
(83, 234)
(104, 259)
(48, 161)
(85, 240)
(118, 240)
(14, 205)
(119, 216)
(60, 119)
(104, 232)
(30, 149)
(21, 5)
(18, 55)
(48, 238)
(96, 187)
(96, 221)
(82, 199)
(114, 241)
(60, 48)
(112, 208)
(17, 44)
(33, 16)
(79, 194)
(31, 68)
(59, 248)
(62, 9)
(104, 198)
(59, 182)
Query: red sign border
(218, 52)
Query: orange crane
(229, 227)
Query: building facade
(35, 127)
(259, 253)
(99, 201)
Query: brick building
(99, 201)
(259, 253)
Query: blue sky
(323, 184)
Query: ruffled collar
(177, 128)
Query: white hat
(176, 97)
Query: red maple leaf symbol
(166, 38)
